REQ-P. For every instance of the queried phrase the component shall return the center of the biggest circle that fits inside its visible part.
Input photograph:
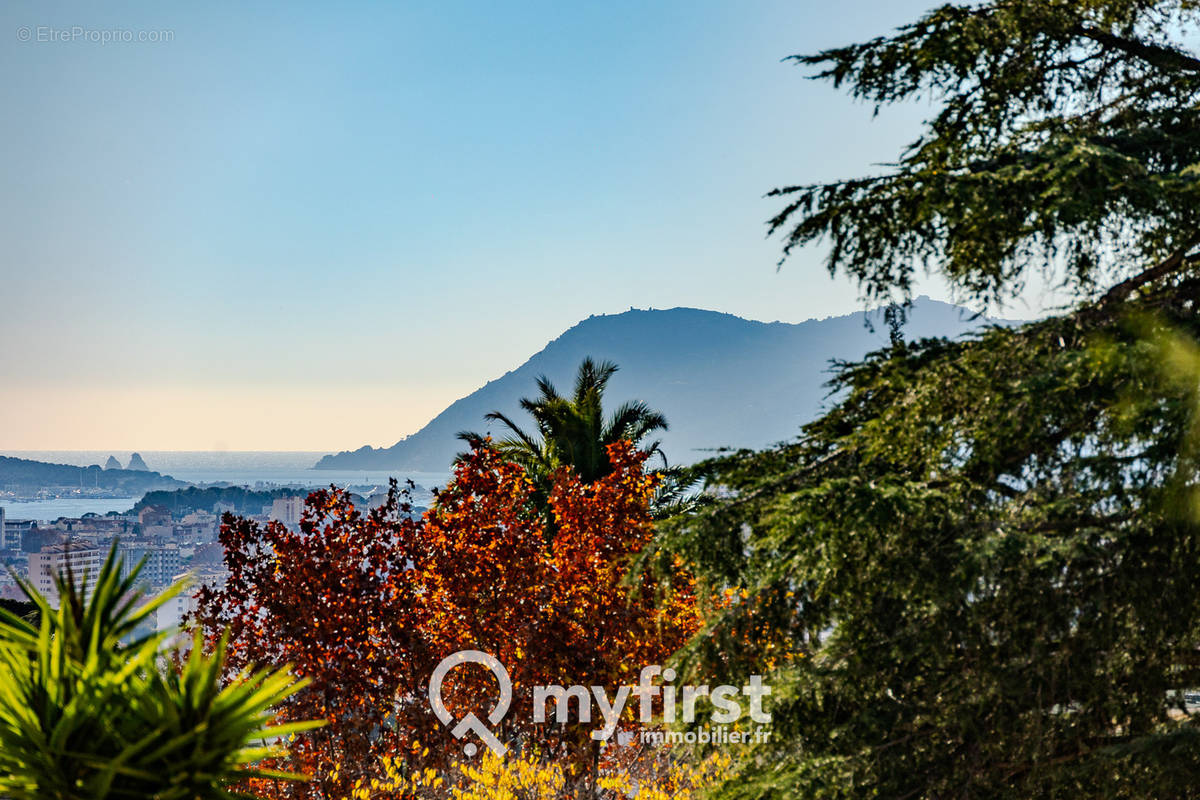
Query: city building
(15, 532)
(288, 510)
(154, 515)
(198, 527)
(82, 560)
(162, 562)
(155, 521)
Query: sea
(255, 469)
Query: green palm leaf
(92, 708)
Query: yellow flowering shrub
(664, 777)
(526, 776)
(517, 777)
(399, 783)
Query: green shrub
(91, 708)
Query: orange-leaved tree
(365, 605)
(553, 607)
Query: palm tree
(573, 431)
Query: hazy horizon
(313, 228)
(124, 452)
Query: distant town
(173, 530)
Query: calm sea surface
(245, 468)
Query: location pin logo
(471, 722)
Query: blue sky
(312, 226)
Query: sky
(270, 226)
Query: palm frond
(514, 428)
(92, 705)
(634, 420)
(547, 388)
(573, 432)
(593, 378)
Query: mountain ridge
(721, 380)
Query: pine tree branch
(1128, 286)
(1165, 58)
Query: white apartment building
(288, 510)
(83, 561)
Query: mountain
(721, 380)
(23, 474)
(112, 463)
(137, 464)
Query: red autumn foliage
(366, 605)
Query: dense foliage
(1066, 139)
(975, 575)
(195, 498)
(528, 775)
(23, 609)
(91, 709)
(366, 605)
